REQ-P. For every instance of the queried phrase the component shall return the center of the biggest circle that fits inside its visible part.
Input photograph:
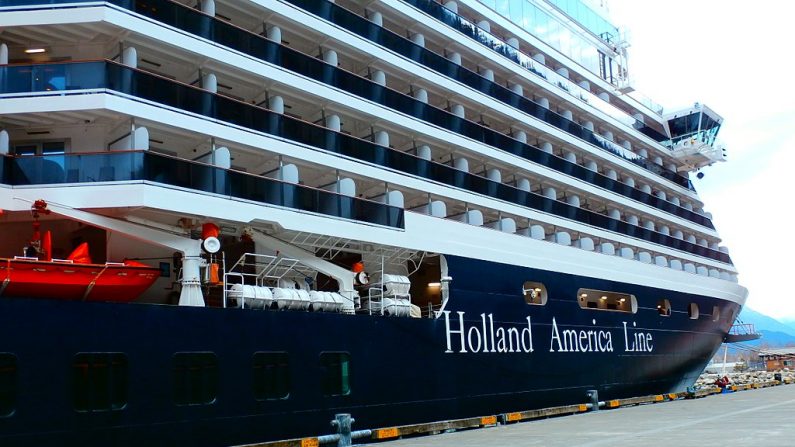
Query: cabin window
(195, 376)
(715, 313)
(664, 307)
(271, 371)
(8, 384)
(692, 311)
(534, 293)
(335, 373)
(610, 301)
(100, 381)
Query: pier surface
(756, 417)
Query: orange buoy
(358, 267)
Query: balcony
(221, 32)
(116, 77)
(85, 168)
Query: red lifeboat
(75, 278)
(38, 275)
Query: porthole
(534, 293)
(664, 307)
(692, 311)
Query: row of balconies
(80, 76)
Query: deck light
(434, 284)
(35, 50)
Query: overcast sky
(737, 60)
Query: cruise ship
(226, 221)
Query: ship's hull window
(664, 307)
(715, 313)
(100, 381)
(534, 293)
(8, 384)
(336, 373)
(271, 375)
(692, 311)
(195, 378)
(609, 301)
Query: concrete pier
(753, 417)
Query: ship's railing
(742, 329)
(501, 47)
(269, 51)
(203, 25)
(405, 47)
(153, 167)
(83, 76)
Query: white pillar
(129, 57)
(458, 110)
(452, 6)
(588, 125)
(520, 136)
(382, 138)
(488, 74)
(276, 104)
(585, 85)
(424, 152)
(550, 193)
(377, 18)
(333, 122)
(485, 26)
(379, 77)
(210, 83)
(563, 72)
(512, 41)
(494, 175)
(568, 115)
(208, 7)
(4, 142)
(418, 39)
(275, 34)
(3, 54)
(543, 102)
(604, 96)
(546, 147)
(421, 95)
(540, 58)
(611, 174)
(330, 57)
(518, 89)
(455, 57)
(608, 135)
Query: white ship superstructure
(328, 133)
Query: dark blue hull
(400, 371)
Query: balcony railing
(153, 167)
(112, 76)
(405, 47)
(219, 31)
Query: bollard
(343, 422)
(593, 396)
